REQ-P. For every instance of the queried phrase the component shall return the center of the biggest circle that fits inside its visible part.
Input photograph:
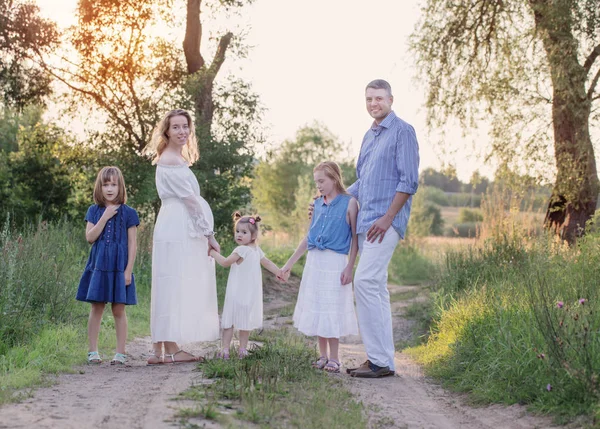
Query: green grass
(499, 334)
(49, 333)
(276, 387)
(409, 266)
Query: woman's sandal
(320, 363)
(154, 359)
(119, 359)
(333, 366)
(242, 353)
(94, 358)
(187, 360)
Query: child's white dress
(243, 308)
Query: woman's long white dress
(184, 287)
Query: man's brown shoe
(370, 373)
(369, 370)
(363, 365)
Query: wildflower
(560, 304)
(541, 355)
(549, 387)
(582, 301)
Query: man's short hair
(380, 84)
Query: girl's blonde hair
(160, 139)
(251, 221)
(333, 171)
(106, 175)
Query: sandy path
(410, 400)
(138, 396)
(105, 396)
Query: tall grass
(42, 327)
(38, 269)
(510, 326)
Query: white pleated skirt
(325, 308)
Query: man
(387, 177)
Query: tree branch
(590, 92)
(193, 37)
(589, 61)
(219, 58)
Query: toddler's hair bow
(252, 220)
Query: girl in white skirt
(325, 306)
(243, 308)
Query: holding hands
(213, 244)
(284, 273)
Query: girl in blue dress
(108, 276)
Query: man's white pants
(373, 298)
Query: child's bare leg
(244, 336)
(334, 345)
(226, 341)
(118, 311)
(94, 325)
(323, 347)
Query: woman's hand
(213, 244)
(127, 277)
(346, 276)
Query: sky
(311, 60)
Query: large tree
(123, 64)
(532, 68)
(23, 35)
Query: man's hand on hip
(379, 228)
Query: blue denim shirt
(328, 228)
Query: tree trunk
(575, 192)
(203, 75)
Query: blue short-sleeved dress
(104, 277)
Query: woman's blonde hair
(106, 175)
(251, 221)
(333, 171)
(160, 139)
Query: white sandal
(159, 360)
(174, 361)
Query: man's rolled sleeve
(353, 189)
(407, 161)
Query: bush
(425, 218)
(409, 266)
(463, 199)
(468, 215)
(434, 195)
(465, 230)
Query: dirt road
(137, 396)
